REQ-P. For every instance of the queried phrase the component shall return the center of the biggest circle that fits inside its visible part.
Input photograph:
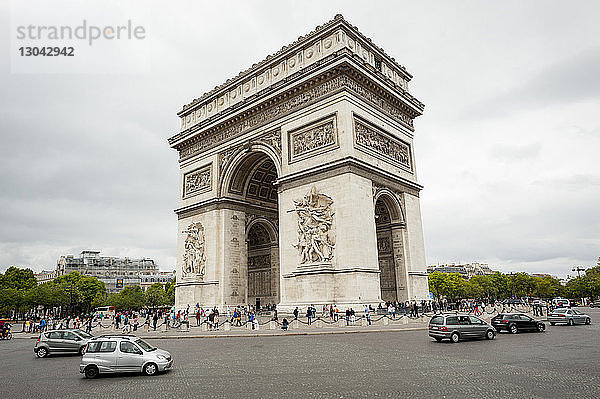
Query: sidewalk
(270, 328)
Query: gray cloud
(84, 161)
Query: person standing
(154, 320)
(309, 314)
(368, 315)
(296, 313)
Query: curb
(285, 334)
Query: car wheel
(490, 334)
(552, 324)
(541, 327)
(588, 321)
(513, 329)
(42, 352)
(570, 322)
(454, 338)
(438, 339)
(91, 372)
(150, 369)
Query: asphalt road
(562, 362)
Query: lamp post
(578, 270)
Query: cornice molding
(345, 75)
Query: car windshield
(145, 346)
(82, 334)
(559, 310)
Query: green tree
(130, 298)
(20, 279)
(155, 295)
(170, 290)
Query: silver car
(568, 316)
(61, 341)
(456, 327)
(123, 353)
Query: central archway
(252, 183)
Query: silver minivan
(61, 341)
(456, 327)
(123, 353)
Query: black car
(515, 322)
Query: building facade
(116, 273)
(298, 181)
(466, 271)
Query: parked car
(123, 353)
(456, 327)
(595, 304)
(561, 303)
(61, 341)
(512, 302)
(516, 322)
(539, 302)
(568, 316)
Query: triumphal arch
(298, 181)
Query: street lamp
(578, 270)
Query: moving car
(456, 327)
(568, 316)
(516, 322)
(123, 353)
(61, 341)
(595, 304)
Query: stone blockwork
(301, 173)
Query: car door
(130, 357)
(527, 322)
(577, 317)
(70, 342)
(106, 356)
(52, 340)
(478, 327)
(465, 327)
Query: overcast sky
(508, 148)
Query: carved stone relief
(290, 103)
(272, 138)
(194, 257)
(316, 239)
(380, 143)
(197, 181)
(312, 138)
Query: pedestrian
(154, 320)
(347, 317)
(296, 313)
(309, 314)
(367, 315)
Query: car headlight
(161, 357)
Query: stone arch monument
(298, 181)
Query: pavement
(561, 362)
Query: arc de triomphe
(298, 181)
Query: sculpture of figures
(315, 218)
(194, 258)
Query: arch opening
(385, 250)
(252, 181)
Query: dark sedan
(515, 322)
